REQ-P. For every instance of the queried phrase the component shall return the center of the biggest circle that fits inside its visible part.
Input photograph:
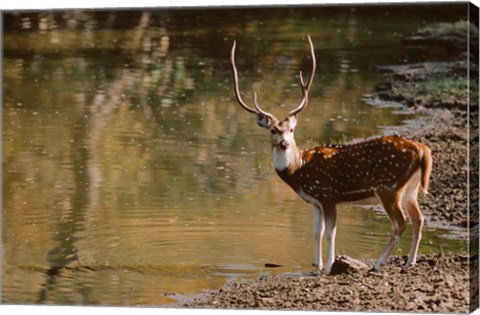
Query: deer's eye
(291, 129)
(273, 131)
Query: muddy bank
(453, 37)
(438, 283)
(444, 128)
(445, 132)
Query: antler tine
(259, 110)
(306, 88)
(236, 85)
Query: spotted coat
(352, 172)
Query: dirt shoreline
(438, 283)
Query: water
(130, 174)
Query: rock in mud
(345, 264)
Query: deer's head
(281, 130)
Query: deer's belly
(309, 199)
(355, 195)
(335, 196)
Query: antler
(305, 88)
(235, 80)
(257, 110)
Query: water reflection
(129, 171)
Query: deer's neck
(287, 160)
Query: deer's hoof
(409, 265)
(377, 272)
(317, 267)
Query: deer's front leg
(330, 214)
(318, 230)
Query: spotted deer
(392, 168)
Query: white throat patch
(282, 158)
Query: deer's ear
(264, 121)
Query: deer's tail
(426, 167)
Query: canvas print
(301, 157)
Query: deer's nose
(283, 144)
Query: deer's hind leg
(409, 202)
(391, 202)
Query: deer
(392, 168)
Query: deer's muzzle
(283, 145)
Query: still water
(130, 174)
